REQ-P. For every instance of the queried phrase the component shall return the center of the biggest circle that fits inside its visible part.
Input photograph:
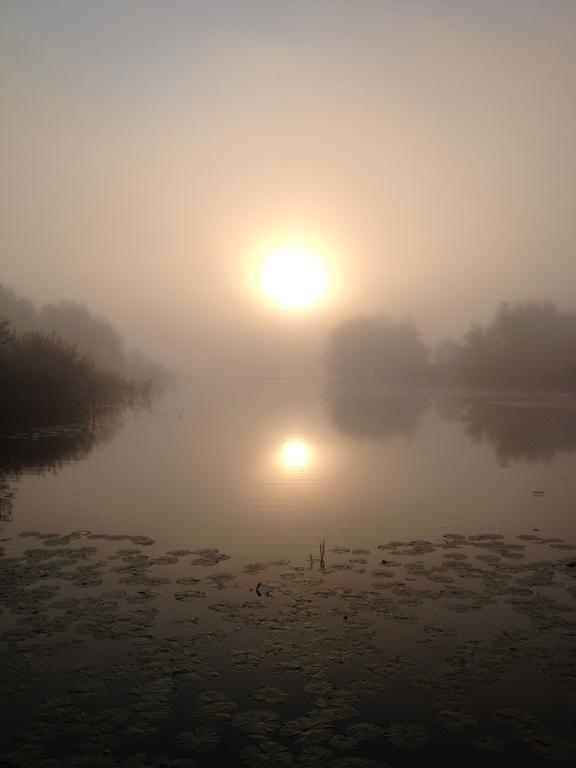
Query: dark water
(166, 601)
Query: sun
(295, 454)
(294, 277)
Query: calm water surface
(276, 467)
(439, 629)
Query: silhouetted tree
(527, 344)
(140, 368)
(20, 313)
(377, 351)
(91, 334)
(44, 379)
(94, 335)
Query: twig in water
(267, 590)
(322, 552)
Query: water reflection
(48, 449)
(264, 469)
(518, 430)
(295, 455)
(375, 415)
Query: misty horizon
(428, 152)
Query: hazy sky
(150, 147)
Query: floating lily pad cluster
(117, 654)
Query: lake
(281, 573)
(276, 467)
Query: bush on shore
(44, 379)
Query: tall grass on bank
(44, 379)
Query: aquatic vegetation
(201, 739)
(456, 719)
(314, 667)
(267, 695)
(407, 736)
(208, 557)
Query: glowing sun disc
(293, 277)
(295, 454)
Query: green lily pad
(456, 719)
(407, 736)
(201, 739)
(272, 696)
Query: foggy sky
(149, 147)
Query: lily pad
(407, 736)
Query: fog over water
(270, 470)
(151, 150)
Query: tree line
(44, 379)
(62, 363)
(76, 324)
(526, 345)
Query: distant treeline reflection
(528, 431)
(518, 430)
(48, 449)
(375, 414)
